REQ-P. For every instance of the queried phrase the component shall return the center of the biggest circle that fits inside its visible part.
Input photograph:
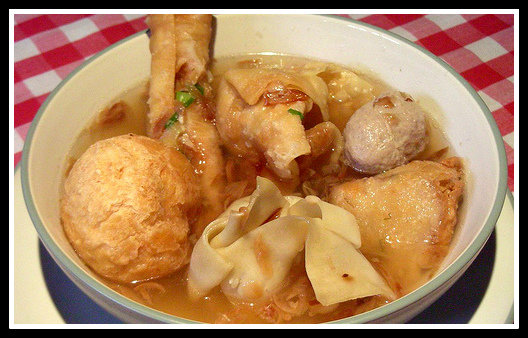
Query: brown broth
(130, 118)
(173, 299)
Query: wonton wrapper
(250, 261)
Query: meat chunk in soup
(406, 218)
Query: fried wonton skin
(406, 217)
(201, 144)
(179, 46)
(162, 46)
(260, 111)
(193, 36)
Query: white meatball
(387, 132)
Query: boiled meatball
(387, 132)
(126, 208)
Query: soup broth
(169, 294)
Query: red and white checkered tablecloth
(479, 46)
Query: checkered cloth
(479, 47)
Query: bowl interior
(461, 114)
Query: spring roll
(162, 72)
(193, 35)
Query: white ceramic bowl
(464, 117)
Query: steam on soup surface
(235, 190)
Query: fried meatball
(384, 133)
(126, 208)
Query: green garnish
(185, 98)
(200, 88)
(296, 112)
(172, 120)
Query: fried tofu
(127, 206)
(406, 217)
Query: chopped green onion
(185, 98)
(200, 88)
(172, 120)
(296, 112)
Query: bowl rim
(451, 271)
